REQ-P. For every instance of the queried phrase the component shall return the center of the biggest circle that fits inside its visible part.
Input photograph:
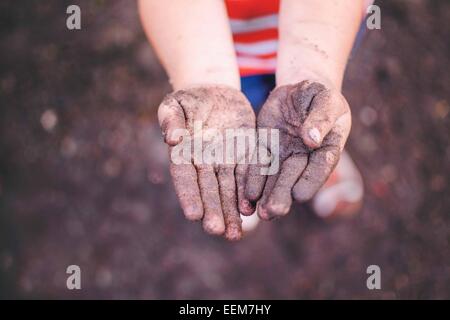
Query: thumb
(171, 120)
(326, 108)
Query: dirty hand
(314, 122)
(207, 190)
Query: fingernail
(214, 225)
(263, 213)
(314, 134)
(233, 233)
(246, 207)
(193, 213)
(174, 138)
(278, 209)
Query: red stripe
(261, 35)
(258, 56)
(248, 9)
(252, 72)
(245, 9)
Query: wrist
(297, 75)
(207, 77)
(309, 63)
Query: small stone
(368, 116)
(49, 120)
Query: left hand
(209, 188)
(314, 121)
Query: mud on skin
(313, 123)
(213, 193)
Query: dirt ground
(84, 178)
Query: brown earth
(84, 176)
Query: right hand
(314, 121)
(213, 193)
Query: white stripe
(258, 47)
(255, 63)
(256, 24)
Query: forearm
(316, 38)
(193, 41)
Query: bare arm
(307, 106)
(192, 38)
(193, 41)
(316, 38)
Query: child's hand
(314, 123)
(208, 191)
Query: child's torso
(254, 24)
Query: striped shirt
(254, 24)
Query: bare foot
(342, 194)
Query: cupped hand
(313, 122)
(211, 191)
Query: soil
(84, 173)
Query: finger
(172, 121)
(256, 177)
(245, 206)
(326, 108)
(184, 177)
(213, 222)
(255, 182)
(301, 95)
(228, 197)
(321, 163)
(262, 211)
(280, 199)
